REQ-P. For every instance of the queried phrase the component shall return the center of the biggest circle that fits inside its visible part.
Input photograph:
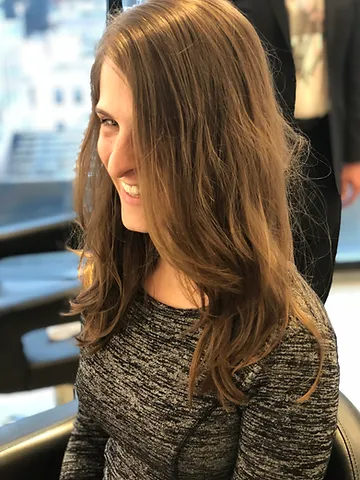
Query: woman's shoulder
(305, 333)
(313, 308)
(295, 359)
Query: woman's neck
(166, 285)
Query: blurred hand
(350, 183)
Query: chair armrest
(34, 447)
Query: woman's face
(115, 113)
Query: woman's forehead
(115, 93)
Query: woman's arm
(279, 438)
(84, 456)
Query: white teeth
(132, 190)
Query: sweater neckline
(165, 308)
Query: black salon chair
(40, 235)
(34, 291)
(33, 448)
(28, 358)
(345, 458)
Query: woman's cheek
(103, 150)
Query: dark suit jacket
(342, 36)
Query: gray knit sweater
(134, 422)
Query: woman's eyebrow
(102, 112)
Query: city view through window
(46, 54)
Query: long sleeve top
(135, 423)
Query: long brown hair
(216, 160)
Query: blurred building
(44, 102)
(36, 16)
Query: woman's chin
(133, 221)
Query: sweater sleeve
(279, 438)
(84, 456)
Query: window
(129, 3)
(44, 79)
(59, 95)
(44, 107)
(78, 95)
(349, 242)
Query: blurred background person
(314, 49)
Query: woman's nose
(120, 160)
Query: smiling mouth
(132, 190)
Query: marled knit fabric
(134, 422)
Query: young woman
(204, 353)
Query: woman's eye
(108, 122)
